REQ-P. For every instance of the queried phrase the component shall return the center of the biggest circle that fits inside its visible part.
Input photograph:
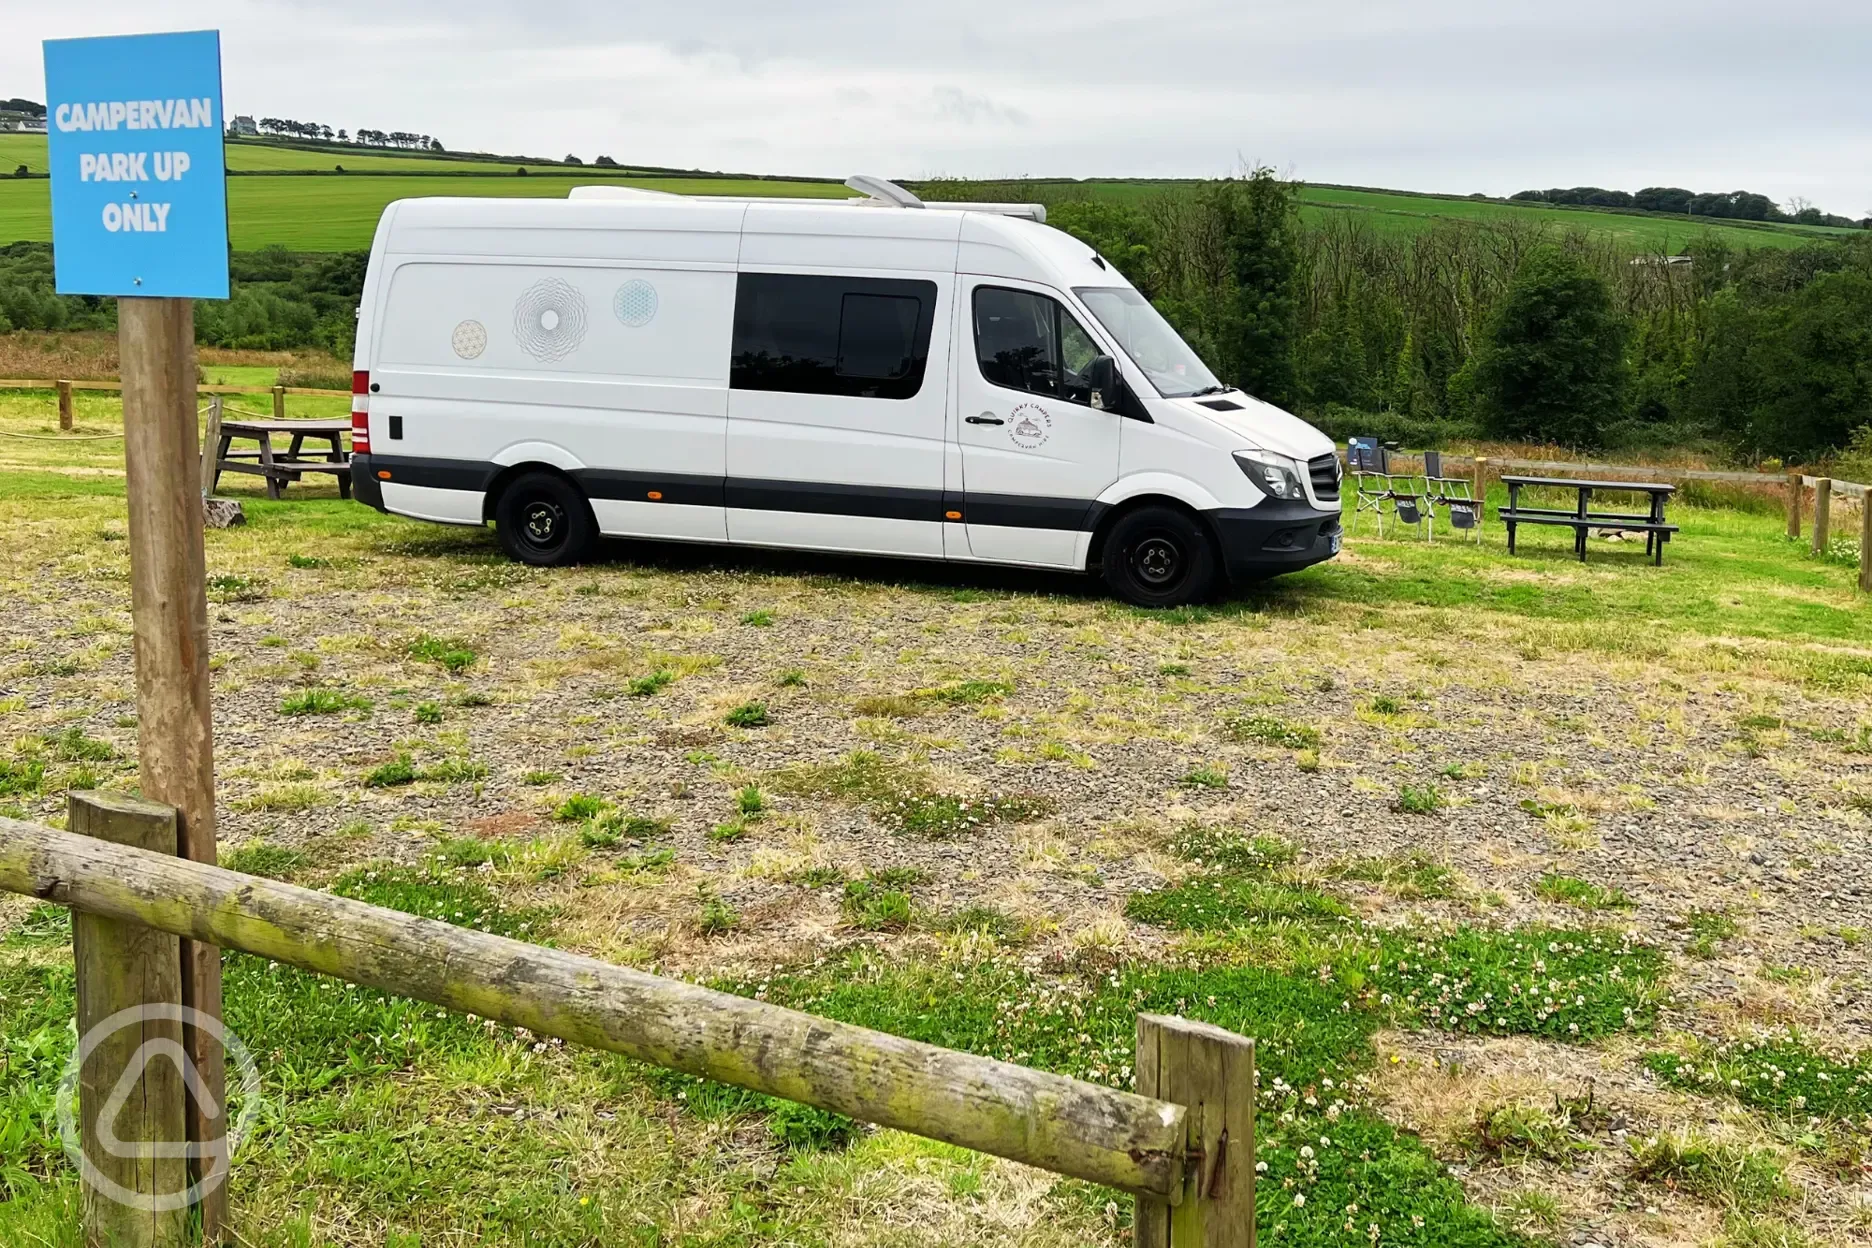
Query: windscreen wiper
(1216, 389)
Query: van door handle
(986, 418)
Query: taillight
(360, 412)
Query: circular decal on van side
(469, 339)
(549, 319)
(1029, 425)
(635, 303)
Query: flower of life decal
(469, 339)
(635, 303)
(549, 319)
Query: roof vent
(878, 188)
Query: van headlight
(1274, 475)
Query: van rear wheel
(544, 520)
(1159, 557)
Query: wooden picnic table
(1581, 518)
(282, 470)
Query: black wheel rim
(542, 524)
(1158, 561)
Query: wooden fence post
(279, 402)
(122, 966)
(1210, 1072)
(169, 624)
(1795, 489)
(211, 446)
(1823, 513)
(1865, 540)
(65, 406)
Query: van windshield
(1147, 338)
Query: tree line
(320, 132)
(1723, 205)
(1512, 330)
(278, 300)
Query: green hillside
(22, 149)
(307, 206)
(1401, 212)
(340, 213)
(1409, 212)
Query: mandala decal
(549, 319)
(635, 303)
(469, 339)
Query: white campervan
(871, 376)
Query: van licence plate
(1336, 539)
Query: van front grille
(1324, 469)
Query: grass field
(340, 214)
(1387, 210)
(336, 213)
(1527, 876)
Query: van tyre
(1159, 557)
(544, 520)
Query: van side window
(864, 337)
(1029, 342)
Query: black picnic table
(280, 470)
(1581, 518)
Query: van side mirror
(1101, 377)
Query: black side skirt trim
(1014, 511)
(1024, 511)
(692, 489)
(872, 502)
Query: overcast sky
(1435, 95)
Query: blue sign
(139, 182)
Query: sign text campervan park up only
(139, 182)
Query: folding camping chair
(1372, 486)
(1455, 494)
(1408, 505)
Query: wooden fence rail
(64, 388)
(1196, 1149)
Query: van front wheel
(544, 520)
(1159, 557)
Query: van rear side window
(865, 337)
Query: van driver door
(1036, 453)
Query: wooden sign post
(169, 610)
(157, 240)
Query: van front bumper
(365, 487)
(1274, 537)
